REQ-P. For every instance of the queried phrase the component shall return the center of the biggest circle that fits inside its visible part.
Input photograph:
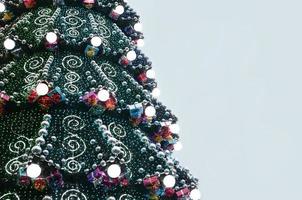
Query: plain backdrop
(231, 71)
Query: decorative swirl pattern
(12, 166)
(104, 31)
(34, 64)
(73, 166)
(127, 155)
(72, 77)
(45, 11)
(72, 11)
(74, 22)
(10, 196)
(108, 69)
(31, 78)
(73, 143)
(40, 32)
(111, 86)
(18, 147)
(71, 88)
(73, 195)
(73, 123)
(117, 130)
(42, 20)
(126, 197)
(73, 32)
(72, 62)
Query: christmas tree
(80, 117)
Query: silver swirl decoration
(10, 196)
(42, 20)
(31, 78)
(111, 86)
(34, 64)
(117, 130)
(108, 69)
(72, 32)
(73, 123)
(72, 11)
(13, 166)
(71, 88)
(72, 77)
(18, 147)
(73, 144)
(127, 155)
(100, 20)
(126, 197)
(72, 62)
(40, 32)
(104, 31)
(73, 194)
(73, 21)
(105, 42)
(45, 11)
(73, 166)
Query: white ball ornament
(150, 111)
(42, 89)
(119, 9)
(131, 55)
(138, 27)
(150, 74)
(169, 181)
(155, 93)
(2, 7)
(114, 171)
(140, 43)
(174, 128)
(195, 194)
(9, 44)
(33, 171)
(51, 37)
(178, 146)
(103, 95)
(96, 41)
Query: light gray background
(231, 70)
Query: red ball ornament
(40, 184)
(29, 3)
(88, 3)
